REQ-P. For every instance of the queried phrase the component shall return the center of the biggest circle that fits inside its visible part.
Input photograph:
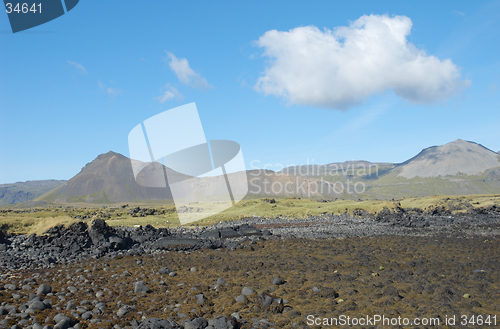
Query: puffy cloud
(341, 68)
(169, 93)
(78, 67)
(185, 73)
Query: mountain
(337, 168)
(457, 157)
(107, 179)
(275, 184)
(456, 168)
(459, 167)
(26, 191)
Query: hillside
(26, 191)
(359, 167)
(107, 179)
(456, 168)
(457, 157)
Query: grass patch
(38, 220)
(29, 224)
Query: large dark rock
(173, 243)
(106, 237)
(78, 228)
(148, 233)
(247, 230)
(57, 230)
(211, 234)
(228, 232)
(100, 232)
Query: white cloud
(341, 68)
(111, 91)
(79, 67)
(185, 74)
(170, 93)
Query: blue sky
(309, 81)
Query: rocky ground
(255, 273)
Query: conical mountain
(108, 178)
(457, 157)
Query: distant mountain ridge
(345, 167)
(26, 191)
(459, 167)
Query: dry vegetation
(39, 219)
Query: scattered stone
(197, 323)
(10, 286)
(86, 315)
(155, 323)
(278, 281)
(125, 309)
(222, 322)
(59, 317)
(141, 287)
(200, 299)
(63, 324)
(37, 305)
(44, 289)
(240, 298)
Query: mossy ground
(391, 276)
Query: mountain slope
(458, 167)
(109, 178)
(26, 191)
(450, 159)
(359, 167)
